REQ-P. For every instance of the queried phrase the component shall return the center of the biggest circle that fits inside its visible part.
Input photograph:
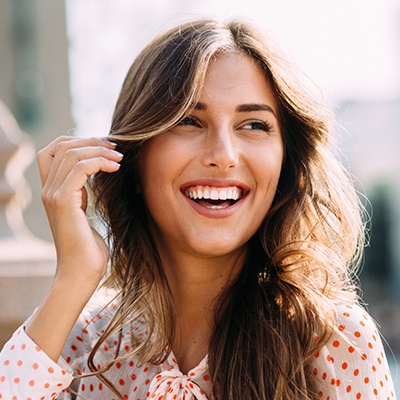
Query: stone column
(34, 83)
(26, 262)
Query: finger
(50, 157)
(61, 169)
(46, 155)
(68, 193)
(63, 147)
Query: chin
(213, 249)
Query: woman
(233, 236)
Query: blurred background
(61, 67)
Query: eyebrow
(242, 107)
(255, 107)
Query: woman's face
(209, 182)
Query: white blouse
(351, 366)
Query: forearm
(82, 254)
(51, 324)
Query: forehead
(237, 75)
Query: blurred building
(371, 145)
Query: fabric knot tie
(172, 384)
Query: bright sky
(349, 48)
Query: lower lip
(215, 213)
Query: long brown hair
(299, 263)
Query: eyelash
(256, 125)
(191, 121)
(259, 125)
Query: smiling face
(209, 182)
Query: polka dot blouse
(351, 366)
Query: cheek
(268, 164)
(267, 174)
(150, 163)
(151, 187)
(156, 173)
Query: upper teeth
(214, 193)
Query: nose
(221, 149)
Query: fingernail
(109, 142)
(117, 153)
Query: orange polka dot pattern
(27, 373)
(351, 366)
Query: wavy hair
(301, 260)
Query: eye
(257, 125)
(189, 121)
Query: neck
(196, 283)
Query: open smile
(215, 198)
(212, 197)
